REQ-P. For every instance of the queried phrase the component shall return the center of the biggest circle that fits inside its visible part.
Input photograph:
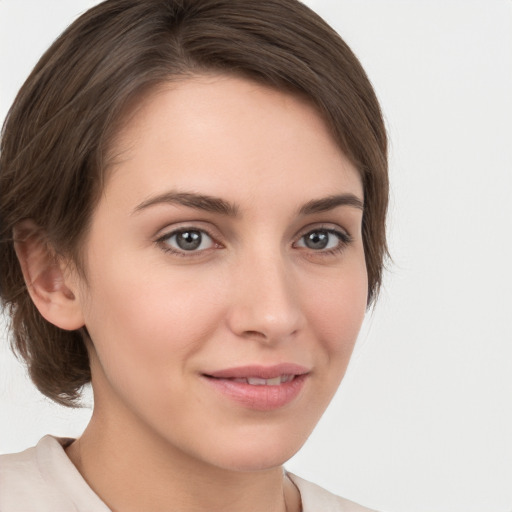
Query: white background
(423, 420)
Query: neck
(131, 470)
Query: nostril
(253, 334)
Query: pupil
(188, 240)
(317, 240)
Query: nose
(265, 303)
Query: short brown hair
(58, 130)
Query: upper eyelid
(327, 226)
(174, 232)
(169, 231)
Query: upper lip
(262, 372)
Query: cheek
(142, 321)
(336, 307)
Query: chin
(257, 451)
(248, 462)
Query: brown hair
(58, 130)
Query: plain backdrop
(423, 420)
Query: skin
(254, 293)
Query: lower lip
(261, 398)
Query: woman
(193, 210)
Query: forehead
(229, 137)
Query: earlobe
(49, 284)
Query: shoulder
(316, 499)
(43, 479)
(23, 483)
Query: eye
(327, 240)
(187, 240)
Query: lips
(257, 371)
(262, 388)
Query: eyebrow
(217, 205)
(329, 203)
(191, 200)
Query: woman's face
(226, 278)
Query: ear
(50, 284)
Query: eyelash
(344, 240)
(162, 242)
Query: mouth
(261, 375)
(258, 387)
(258, 381)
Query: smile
(259, 388)
(257, 381)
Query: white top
(43, 479)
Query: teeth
(257, 381)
